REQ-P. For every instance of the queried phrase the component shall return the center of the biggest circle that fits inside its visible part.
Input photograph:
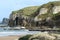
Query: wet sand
(10, 37)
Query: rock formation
(38, 16)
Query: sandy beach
(10, 37)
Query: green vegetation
(27, 11)
(34, 11)
(30, 11)
(42, 36)
(43, 16)
(55, 3)
(25, 37)
(56, 16)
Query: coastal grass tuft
(25, 37)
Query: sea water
(16, 32)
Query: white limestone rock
(56, 9)
(43, 11)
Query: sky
(7, 6)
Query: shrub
(25, 37)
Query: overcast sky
(7, 6)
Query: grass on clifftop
(55, 3)
(28, 11)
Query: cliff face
(51, 7)
(25, 12)
(46, 12)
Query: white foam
(7, 33)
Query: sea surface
(16, 32)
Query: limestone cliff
(49, 11)
(51, 7)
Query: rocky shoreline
(41, 36)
